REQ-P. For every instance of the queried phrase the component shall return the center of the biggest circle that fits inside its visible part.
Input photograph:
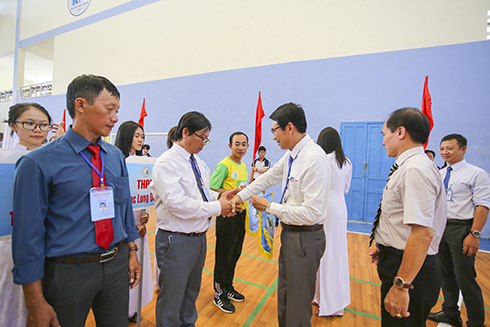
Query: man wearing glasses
(305, 178)
(184, 206)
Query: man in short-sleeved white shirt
(259, 165)
(468, 203)
(411, 222)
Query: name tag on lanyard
(101, 198)
(101, 203)
(449, 195)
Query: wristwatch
(398, 282)
(476, 233)
(268, 208)
(133, 248)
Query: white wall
(8, 9)
(177, 38)
(42, 16)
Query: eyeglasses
(204, 140)
(273, 130)
(30, 126)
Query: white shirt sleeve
(175, 187)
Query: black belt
(186, 234)
(389, 249)
(86, 258)
(459, 221)
(295, 228)
(392, 250)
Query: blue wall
(356, 88)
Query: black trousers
(230, 233)
(423, 296)
(72, 289)
(458, 273)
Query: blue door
(362, 143)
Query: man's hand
(396, 302)
(235, 204)
(226, 208)
(144, 218)
(259, 203)
(471, 245)
(229, 194)
(40, 313)
(141, 230)
(374, 256)
(134, 268)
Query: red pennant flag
(64, 120)
(258, 125)
(143, 114)
(426, 106)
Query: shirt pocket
(391, 202)
(459, 187)
(460, 191)
(120, 187)
(293, 190)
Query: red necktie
(103, 228)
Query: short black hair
(430, 151)
(88, 87)
(262, 148)
(125, 135)
(194, 121)
(237, 133)
(290, 113)
(146, 146)
(462, 141)
(415, 122)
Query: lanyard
(198, 171)
(101, 174)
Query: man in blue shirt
(58, 261)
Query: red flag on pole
(426, 106)
(64, 120)
(143, 114)
(258, 125)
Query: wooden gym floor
(256, 278)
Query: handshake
(231, 201)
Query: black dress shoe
(441, 317)
(133, 318)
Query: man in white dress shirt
(409, 224)
(184, 206)
(304, 173)
(468, 201)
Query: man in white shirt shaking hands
(304, 173)
(184, 206)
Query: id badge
(101, 203)
(449, 195)
(207, 193)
